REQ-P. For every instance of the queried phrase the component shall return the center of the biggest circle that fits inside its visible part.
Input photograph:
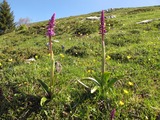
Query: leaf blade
(44, 86)
(43, 100)
(105, 78)
(112, 81)
(94, 89)
(92, 79)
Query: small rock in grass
(30, 60)
(58, 66)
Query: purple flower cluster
(50, 28)
(102, 29)
(113, 114)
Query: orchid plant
(49, 90)
(103, 31)
(104, 82)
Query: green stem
(50, 44)
(103, 55)
(52, 65)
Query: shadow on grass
(81, 101)
(15, 103)
(78, 100)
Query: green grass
(134, 55)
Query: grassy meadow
(132, 57)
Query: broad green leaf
(88, 78)
(44, 86)
(105, 77)
(94, 89)
(43, 100)
(83, 84)
(98, 78)
(111, 82)
(92, 79)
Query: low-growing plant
(77, 51)
(23, 27)
(85, 28)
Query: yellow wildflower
(108, 57)
(61, 55)
(121, 103)
(25, 83)
(36, 56)
(125, 91)
(0, 64)
(128, 57)
(10, 60)
(130, 83)
(90, 71)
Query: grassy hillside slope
(132, 56)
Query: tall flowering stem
(50, 33)
(103, 31)
(104, 83)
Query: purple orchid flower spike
(102, 29)
(50, 33)
(50, 28)
(113, 114)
